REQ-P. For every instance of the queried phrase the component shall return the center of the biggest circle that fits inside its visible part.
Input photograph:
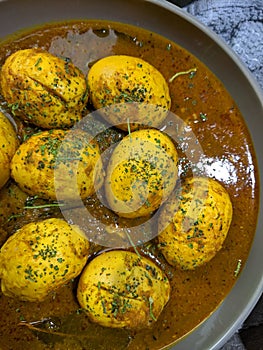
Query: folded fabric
(240, 24)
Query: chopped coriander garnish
(38, 61)
(43, 206)
(132, 244)
(203, 117)
(189, 71)
(150, 307)
(238, 268)
(129, 127)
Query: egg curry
(45, 90)
(9, 144)
(34, 162)
(146, 138)
(122, 79)
(40, 257)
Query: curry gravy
(200, 100)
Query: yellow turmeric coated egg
(56, 163)
(193, 225)
(131, 91)
(8, 145)
(122, 289)
(141, 174)
(43, 89)
(40, 257)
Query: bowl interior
(176, 25)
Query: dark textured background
(240, 24)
